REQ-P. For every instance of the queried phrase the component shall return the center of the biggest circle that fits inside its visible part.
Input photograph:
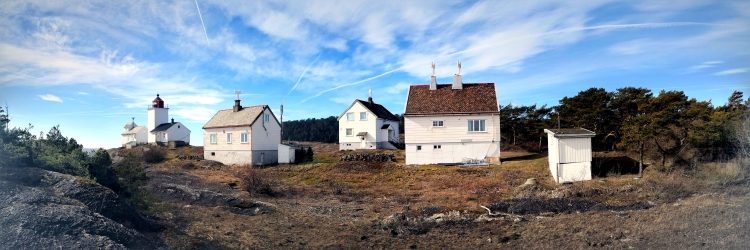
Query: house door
(363, 144)
(262, 158)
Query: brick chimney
(457, 83)
(237, 106)
(433, 80)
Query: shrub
(254, 181)
(132, 179)
(154, 154)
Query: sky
(91, 66)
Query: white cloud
(398, 88)
(50, 98)
(732, 71)
(196, 114)
(82, 93)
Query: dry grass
(328, 204)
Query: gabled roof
(129, 124)
(228, 118)
(133, 131)
(474, 98)
(573, 132)
(164, 127)
(377, 109)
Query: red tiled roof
(473, 98)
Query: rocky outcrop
(183, 188)
(41, 209)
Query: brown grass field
(332, 205)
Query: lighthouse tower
(157, 115)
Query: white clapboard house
(451, 123)
(162, 131)
(367, 125)
(569, 154)
(134, 134)
(242, 135)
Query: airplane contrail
(303, 73)
(204, 25)
(560, 31)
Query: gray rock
(41, 209)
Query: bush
(131, 179)
(154, 154)
(254, 181)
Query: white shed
(287, 153)
(569, 154)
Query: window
(213, 153)
(267, 117)
(419, 147)
(437, 123)
(243, 138)
(212, 138)
(436, 146)
(348, 144)
(477, 126)
(229, 138)
(349, 132)
(362, 116)
(350, 116)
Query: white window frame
(360, 116)
(244, 138)
(474, 123)
(212, 138)
(349, 132)
(350, 116)
(438, 123)
(229, 138)
(267, 117)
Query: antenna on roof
(133, 119)
(459, 67)
(237, 93)
(433, 68)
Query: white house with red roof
(242, 135)
(451, 123)
(161, 130)
(368, 125)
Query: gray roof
(133, 131)
(385, 126)
(377, 109)
(163, 127)
(361, 133)
(228, 118)
(129, 124)
(570, 132)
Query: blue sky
(90, 66)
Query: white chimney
(433, 81)
(457, 83)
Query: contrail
(354, 83)
(204, 25)
(303, 73)
(560, 31)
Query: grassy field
(332, 204)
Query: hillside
(331, 204)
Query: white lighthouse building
(162, 130)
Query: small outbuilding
(569, 154)
(287, 153)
